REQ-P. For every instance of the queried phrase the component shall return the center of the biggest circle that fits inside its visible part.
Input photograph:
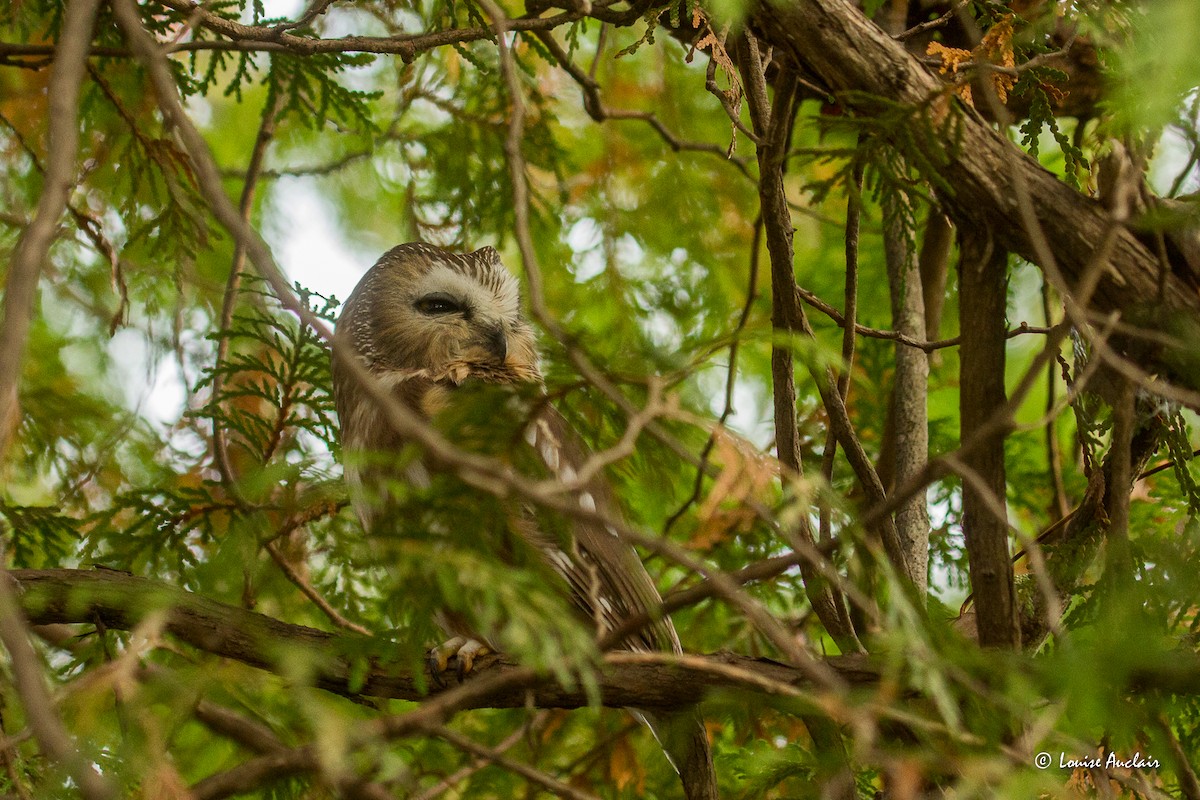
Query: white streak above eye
(587, 502)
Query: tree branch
(358, 666)
(986, 172)
(772, 124)
(983, 283)
(908, 411)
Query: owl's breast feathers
(608, 582)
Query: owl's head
(426, 312)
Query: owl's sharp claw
(467, 655)
(463, 650)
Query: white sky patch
(155, 389)
(283, 8)
(584, 239)
(301, 230)
(1171, 157)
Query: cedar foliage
(644, 217)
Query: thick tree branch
(772, 124)
(908, 411)
(985, 172)
(983, 284)
(120, 601)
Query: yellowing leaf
(997, 48)
(746, 476)
(952, 58)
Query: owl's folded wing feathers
(608, 580)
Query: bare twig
(940, 22)
(21, 289)
(34, 244)
(1060, 507)
(895, 336)
(450, 781)
(315, 9)
(220, 442)
(309, 591)
(534, 776)
(849, 329)
(405, 45)
(730, 377)
(594, 106)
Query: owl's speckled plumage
(425, 321)
(424, 357)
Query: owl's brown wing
(610, 584)
(608, 581)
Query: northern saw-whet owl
(426, 323)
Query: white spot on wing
(549, 455)
(560, 560)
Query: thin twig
(849, 329)
(220, 442)
(895, 336)
(450, 781)
(315, 9)
(594, 106)
(940, 22)
(1060, 506)
(492, 754)
(730, 378)
(34, 244)
(309, 591)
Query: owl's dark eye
(437, 304)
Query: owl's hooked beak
(494, 340)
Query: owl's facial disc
(470, 322)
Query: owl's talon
(467, 655)
(460, 648)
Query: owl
(427, 323)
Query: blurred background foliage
(649, 265)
